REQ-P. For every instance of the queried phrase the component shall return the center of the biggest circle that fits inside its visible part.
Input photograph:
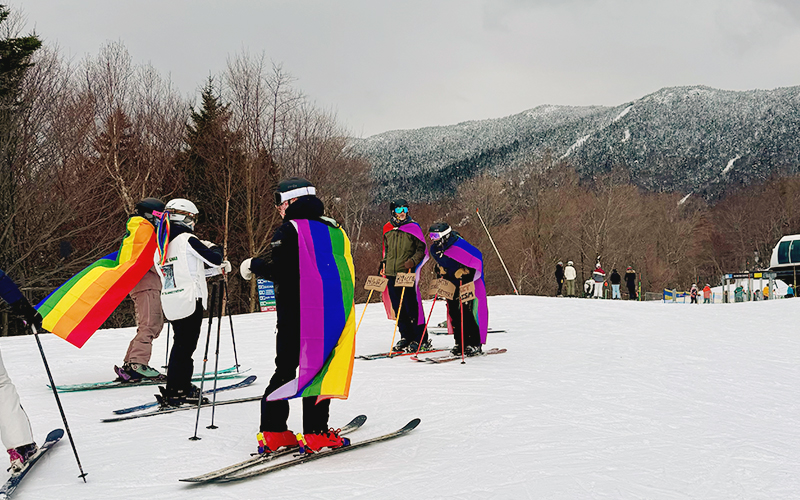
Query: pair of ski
(133, 411)
(16, 478)
(249, 468)
(396, 354)
(113, 384)
(454, 357)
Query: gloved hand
(461, 271)
(382, 269)
(244, 269)
(25, 310)
(440, 271)
(409, 264)
(226, 266)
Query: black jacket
(449, 265)
(559, 273)
(616, 279)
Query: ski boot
(401, 345)
(135, 372)
(456, 350)
(20, 455)
(314, 442)
(473, 350)
(274, 441)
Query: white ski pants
(15, 429)
(598, 290)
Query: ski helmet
(439, 231)
(294, 187)
(398, 203)
(147, 206)
(182, 211)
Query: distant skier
(707, 294)
(569, 276)
(404, 251)
(616, 279)
(146, 296)
(789, 292)
(693, 292)
(459, 263)
(599, 277)
(15, 429)
(291, 262)
(630, 282)
(559, 277)
(184, 296)
(588, 287)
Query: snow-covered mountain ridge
(688, 139)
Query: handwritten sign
(446, 289)
(467, 292)
(377, 283)
(405, 280)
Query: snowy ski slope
(593, 400)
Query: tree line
(82, 142)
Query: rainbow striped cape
(469, 256)
(77, 308)
(414, 230)
(327, 313)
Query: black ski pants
(472, 336)
(409, 313)
(186, 333)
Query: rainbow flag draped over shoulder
(327, 314)
(78, 307)
(469, 256)
(414, 230)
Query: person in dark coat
(630, 282)
(296, 200)
(559, 277)
(616, 279)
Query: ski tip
(411, 425)
(55, 435)
(359, 420)
(250, 379)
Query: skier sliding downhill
(15, 429)
(315, 331)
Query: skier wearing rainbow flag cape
(459, 263)
(310, 263)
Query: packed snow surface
(594, 399)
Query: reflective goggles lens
(434, 236)
(401, 210)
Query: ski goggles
(401, 210)
(294, 193)
(440, 235)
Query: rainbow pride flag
(78, 307)
(327, 314)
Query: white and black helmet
(182, 211)
(294, 187)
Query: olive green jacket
(401, 247)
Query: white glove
(244, 270)
(226, 266)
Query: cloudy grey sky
(395, 64)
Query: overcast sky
(384, 65)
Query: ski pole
(230, 318)
(365, 310)
(397, 318)
(205, 358)
(497, 251)
(58, 402)
(216, 366)
(425, 331)
(461, 311)
(166, 355)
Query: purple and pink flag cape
(327, 314)
(469, 256)
(414, 230)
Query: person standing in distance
(570, 275)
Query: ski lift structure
(731, 281)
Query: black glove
(25, 310)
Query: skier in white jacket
(184, 296)
(569, 276)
